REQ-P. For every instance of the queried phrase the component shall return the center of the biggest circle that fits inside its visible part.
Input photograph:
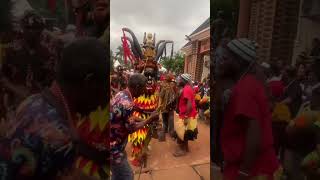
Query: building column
(185, 68)
(244, 18)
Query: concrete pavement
(196, 172)
(162, 165)
(215, 173)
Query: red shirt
(187, 93)
(277, 88)
(249, 99)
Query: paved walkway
(195, 172)
(215, 173)
(162, 165)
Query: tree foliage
(120, 55)
(176, 64)
(112, 58)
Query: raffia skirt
(186, 131)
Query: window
(311, 9)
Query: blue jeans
(121, 171)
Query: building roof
(203, 26)
(188, 43)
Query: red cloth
(162, 77)
(187, 93)
(196, 89)
(126, 50)
(52, 5)
(277, 88)
(248, 99)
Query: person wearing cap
(186, 125)
(223, 83)
(246, 134)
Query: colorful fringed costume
(94, 130)
(144, 60)
(141, 138)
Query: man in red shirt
(246, 135)
(186, 125)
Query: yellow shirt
(281, 113)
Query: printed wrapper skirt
(186, 131)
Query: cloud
(170, 20)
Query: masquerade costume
(93, 129)
(145, 60)
(93, 132)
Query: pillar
(244, 18)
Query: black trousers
(167, 118)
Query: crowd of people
(29, 54)
(55, 112)
(269, 115)
(53, 100)
(177, 112)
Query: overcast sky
(169, 19)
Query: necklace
(55, 88)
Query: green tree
(179, 63)
(176, 64)
(111, 60)
(120, 55)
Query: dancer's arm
(141, 124)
